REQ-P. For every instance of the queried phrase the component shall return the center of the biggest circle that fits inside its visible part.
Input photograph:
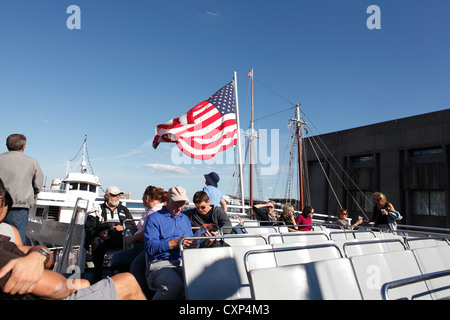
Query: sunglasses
(114, 195)
(202, 207)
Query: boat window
(39, 212)
(83, 186)
(428, 203)
(73, 186)
(92, 188)
(53, 213)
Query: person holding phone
(206, 214)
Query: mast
(241, 177)
(251, 149)
(299, 122)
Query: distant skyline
(134, 65)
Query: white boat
(52, 213)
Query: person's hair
(15, 142)
(200, 196)
(287, 208)
(6, 196)
(380, 195)
(306, 210)
(341, 211)
(155, 193)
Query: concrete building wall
(405, 159)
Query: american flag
(205, 130)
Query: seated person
(23, 277)
(104, 228)
(22, 274)
(342, 214)
(287, 216)
(267, 214)
(164, 230)
(305, 218)
(6, 201)
(204, 213)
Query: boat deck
(320, 264)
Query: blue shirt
(160, 228)
(214, 195)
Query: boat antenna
(83, 157)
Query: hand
(104, 235)
(208, 233)
(119, 227)
(26, 273)
(187, 243)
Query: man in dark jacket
(104, 228)
(204, 213)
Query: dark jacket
(216, 216)
(97, 221)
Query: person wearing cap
(104, 228)
(164, 230)
(212, 189)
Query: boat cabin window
(73, 186)
(82, 187)
(39, 212)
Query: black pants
(99, 248)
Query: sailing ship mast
(239, 143)
(251, 136)
(299, 122)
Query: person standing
(383, 213)
(23, 178)
(212, 189)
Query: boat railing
(73, 253)
(224, 237)
(403, 282)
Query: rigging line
(326, 176)
(81, 148)
(340, 167)
(275, 113)
(338, 177)
(273, 91)
(283, 159)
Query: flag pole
(241, 176)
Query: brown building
(406, 159)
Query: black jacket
(96, 222)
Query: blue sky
(136, 64)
